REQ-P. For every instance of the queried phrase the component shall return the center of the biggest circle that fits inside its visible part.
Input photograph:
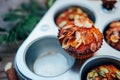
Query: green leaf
(50, 2)
(2, 38)
(14, 15)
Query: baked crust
(79, 40)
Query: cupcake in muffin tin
(112, 34)
(78, 35)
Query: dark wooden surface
(5, 58)
(7, 54)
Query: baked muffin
(69, 15)
(104, 72)
(80, 38)
(113, 35)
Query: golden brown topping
(69, 15)
(82, 22)
(93, 47)
(113, 34)
(105, 72)
(62, 23)
(115, 24)
(114, 38)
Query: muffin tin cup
(98, 61)
(47, 27)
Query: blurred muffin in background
(69, 15)
(113, 34)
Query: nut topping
(93, 47)
(79, 10)
(114, 38)
(88, 24)
(78, 23)
(62, 15)
(67, 27)
(115, 24)
(78, 39)
(82, 22)
(104, 72)
(62, 23)
(76, 16)
(95, 35)
(78, 36)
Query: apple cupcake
(80, 38)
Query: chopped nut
(77, 35)
(113, 75)
(67, 27)
(62, 23)
(104, 69)
(82, 23)
(79, 43)
(102, 73)
(92, 74)
(118, 75)
(78, 23)
(79, 10)
(71, 16)
(76, 16)
(95, 35)
(93, 47)
(114, 38)
(61, 37)
(70, 33)
(88, 24)
(62, 15)
(78, 39)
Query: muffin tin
(48, 27)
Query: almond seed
(62, 15)
(104, 69)
(88, 24)
(67, 27)
(93, 47)
(95, 35)
(62, 36)
(79, 43)
(114, 38)
(78, 36)
(71, 16)
(62, 24)
(79, 10)
(76, 16)
(78, 23)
